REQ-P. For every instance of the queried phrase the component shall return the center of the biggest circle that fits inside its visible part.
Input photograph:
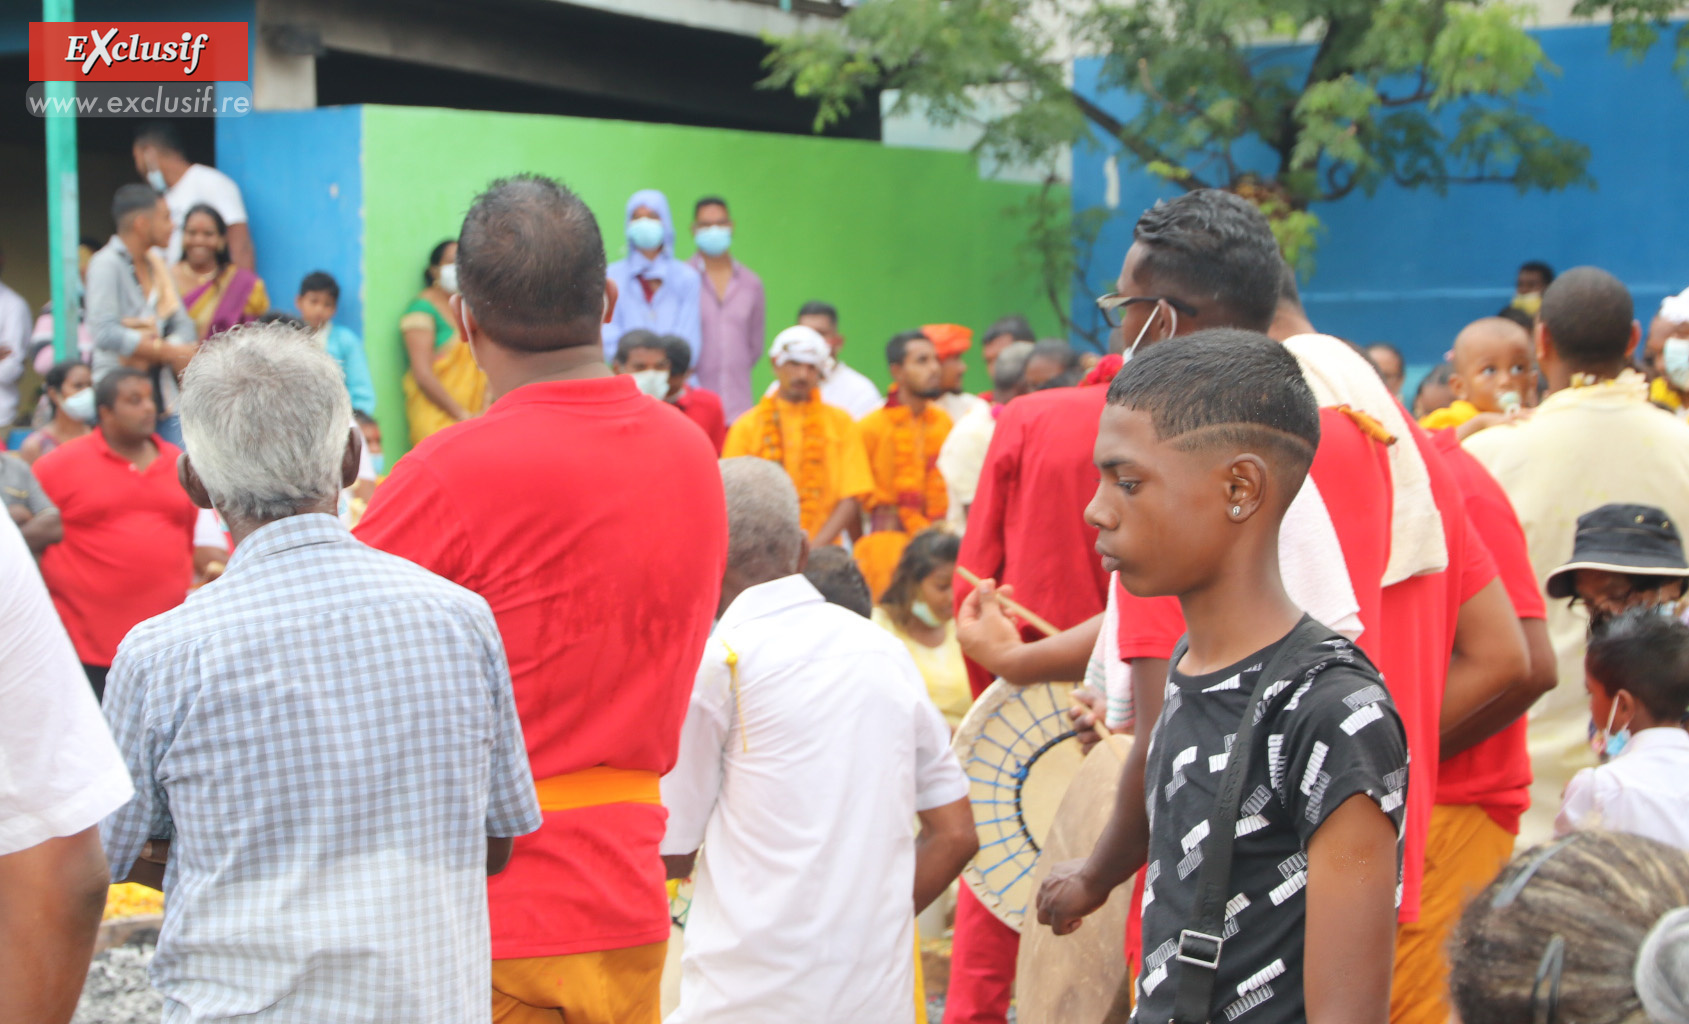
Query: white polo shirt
(801, 771)
(60, 772)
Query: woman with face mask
(654, 290)
(1668, 355)
(918, 607)
(70, 393)
(443, 385)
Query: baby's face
(1490, 365)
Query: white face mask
(80, 406)
(448, 278)
(1172, 330)
(1677, 362)
(652, 382)
(923, 611)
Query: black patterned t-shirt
(1327, 731)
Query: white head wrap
(1675, 309)
(1662, 969)
(801, 345)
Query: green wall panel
(894, 237)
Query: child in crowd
(1592, 927)
(1201, 447)
(1623, 556)
(1493, 375)
(372, 441)
(832, 571)
(1637, 673)
(319, 297)
(1433, 392)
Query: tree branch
(1421, 92)
(1139, 148)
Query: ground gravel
(118, 991)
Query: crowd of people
(395, 743)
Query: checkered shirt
(327, 736)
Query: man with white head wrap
(816, 443)
(654, 290)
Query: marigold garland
(916, 481)
(811, 478)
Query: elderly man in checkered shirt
(324, 745)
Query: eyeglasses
(1113, 305)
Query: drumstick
(1038, 623)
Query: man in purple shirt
(731, 310)
(655, 291)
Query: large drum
(1082, 976)
(1019, 751)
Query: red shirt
(127, 552)
(1027, 523)
(1420, 615)
(1494, 774)
(704, 408)
(592, 520)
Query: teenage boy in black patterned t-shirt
(1203, 444)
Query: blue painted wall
(301, 174)
(1413, 267)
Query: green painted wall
(894, 237)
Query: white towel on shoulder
(1341, 376)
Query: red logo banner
(138, 51)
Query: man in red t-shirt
(592, 520)
(127, 552)
(701, 406)
(1483, 784)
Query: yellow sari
(453, 365)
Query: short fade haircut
(1539, 268)
(1017, 327)
(1648, 655)
(1587, 313)
(131, 199)
(897, 349)
(832, 571)
(266, 416)
(321, 281)
(1217, 249)
(105, 389)
(162, 134)
(680, 354)
(1010, 369)
(531, 265)
(815, 307)
(764, 531)
(638, 338)
(698, 207)
(1227, 387)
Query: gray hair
(764, 533)
(1011, 365)
(266, 417)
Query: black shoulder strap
(1199, 945)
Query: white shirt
(201, 184)
(851, 391)
(1641, 791)
(959, 404)
(15, 330)
(962, 458)
(800, 774)
(60, 772)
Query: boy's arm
(358, 383)
(1351, 926)
(1078, 888)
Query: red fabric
(1104, 371)
(1352, 472)
(982, 964)
(1026, 526)
(127, 552)
(704, 408)
(1494, 774)
(1420, 615)
(586, 516)
(649, 286)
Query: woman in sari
(443, 385)
(217, 293)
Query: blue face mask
(378, 462)
(1606, 743)
(646, 233)
(713, 240)
(80, 406)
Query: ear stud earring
(1237, 510)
